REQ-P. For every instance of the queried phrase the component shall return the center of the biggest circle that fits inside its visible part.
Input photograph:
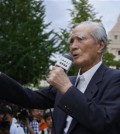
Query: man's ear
(101, 46)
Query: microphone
(65, 62)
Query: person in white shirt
(15, 128)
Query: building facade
(114, 40)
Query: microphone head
(68, 56)
(65, 62)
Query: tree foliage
(25, 42)
(109, 59)
(82, 11)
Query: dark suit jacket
(97, 111)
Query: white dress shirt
(15, 128)
(84, 80)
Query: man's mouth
(75, 55)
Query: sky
(57, 12)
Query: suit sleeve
(99, 112)
(14, 92)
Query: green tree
(82, 11)
(109, 59)
(26, 45)
(117, 64)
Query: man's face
(49, 122)
(37, 113)
(86, 51)
(8, 118)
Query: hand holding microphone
(57, 76)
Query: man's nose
(74, 44)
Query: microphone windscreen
(68, 56)
(65, 62)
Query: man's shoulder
(17, 128)
(113, 71)
(16, 125)
(108, 70)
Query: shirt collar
(89, 74)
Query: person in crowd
(88, 103)
(42, 123)
(10, 122)
(25, 121)
(4, 125)
(35, 113)
(48, 121)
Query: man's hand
(58, 79)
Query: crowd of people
(24, 121)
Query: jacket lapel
(91, 89)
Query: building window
(115, 36)
(119, 52)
